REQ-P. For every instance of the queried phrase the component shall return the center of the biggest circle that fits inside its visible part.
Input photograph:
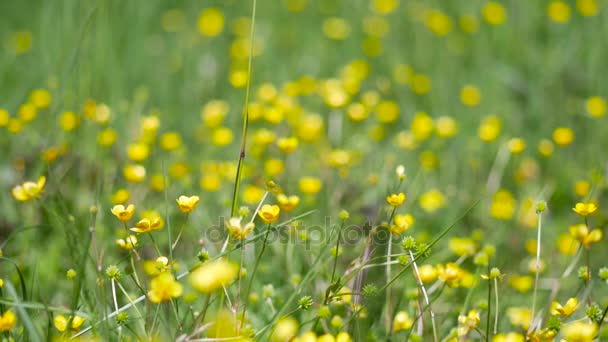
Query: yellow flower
(494, 13)
(61, 322)
(402, 321)
(545, 148)
(468, 322)
(490, 128)
(563, 136)
(596, 106)
(211, 22)
(520, 317)
(170, 141)
(252, 194)
(107, 137)
(559, 11)
(451, 274)
(585, 209)
(164, 287)
(579, 331)
(69, 121)
(586, 237)
(269, 213)
(421, 126)
(212, 275)
(29, 190)
(27, 112)
(566, 310)
(470, 95)
(213, 113)
(438, 22)
(7, 321)
(522, 284)
(428, 273)
(285, 329)
(567, 244)
(517, 145)
(336, 28)
(122, 213)
(134, 173)
(221, 136)
(581, 188)
(462, 246)
(387, 112)
(421, 84)
(503, 205)
(187, 204)
(395, 200)
(446, 127)
(587, 8)
(237, 230)
(138, 152)
(121, 196)
(128, 243)
(287, 145)
(432, 200)
(401, 224)
(146, 225)
(288, 203)
(310, 185)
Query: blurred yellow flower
(462, 246)
(61, 322)
(470, 95)
(123, 213)
(421, 84)
(134, 173)
(170, 141)
(187, 204)
(585, 209)
(310, 185)
(29, 190)
(387, 112)
(468, 323)
(69, 121)
(237, 230)
(385, 6)
(107, 137)
(212, 275)
(438, 22)
(490, 128)
(503, 205)
(40, 98)
(402, 321)
(428, 273)
(579, 331)
(221, 136)
(432, 200)
(520, 317)
(7, 321)
(288, 203)
(27, 112)
(211, 22)
(210, 182)
(567, 310)
(138, 152)
(559, 11)
(545, 148)
(494, 13)
(596, 106)
(336, 28)
(522, 283)
(287, 145)
(421, 126)
(163, 288)
(563, 136)
(269, 213)
(401, 223)
(517, 145)
(585, 236)
(121, 196)
(567, 244)
(587, 8)
(127, 243)
(469, 24)
(445, 127)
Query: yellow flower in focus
(163, 288)
(596, 106)
(401, 223)
(107, 137)
(432, 200)
(187, 204)
(559, 11)
(585, 209)
(211, 22)
(237, 230)
(7, 321)
(586, 237)
(503, 205)
(287, 145)
(446, 127)
(494, 13)
(29, 190)
(468, 323)
(567, 310)
(147, 225)
(395, 200)
(212, 275)
(490, 128)
(122, 213)
(310, 185)
(563, 136)
(587, 8)
(134, 173)
(288, 203)
(269, 213)
(41, 98)
(470, 95)
(402, 321)
(579, 331)
(127, 243)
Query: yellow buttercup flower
(29, 190)
(432, 200)
(395, 200)
(567, 244)
(517, 145)
(310, 185)
(121, 196)
(164, 287)
(503, 205)
(401, 223)
(559, 11)
(468, 322)
(237, 230)
(122, 213)
(269, 213)
(107, 137)
(187, 204)
(7, 321)
(211, 22)
(134, 173)
(138, 152)
(387, 112)
(579, 331)
(336, 28)
(288, 203)
(567, 310)
(213, 275)
(287, 145)
(470, 95)
(445, 127)
(127, 243)
(402, 321)
(490, 128)
(494, 13)
(428, 273)
(221, 136)
(585, 209)
(585, 236)
(587, 8)
(147, 225)
(170, 141)
(61, 322)
(563, 136)
(596, 106)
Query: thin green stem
(495, 305)
(489, 307)
(537, 269)
(154, 244)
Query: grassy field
(303, 170)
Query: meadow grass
(303, 170)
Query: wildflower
(490, 128)
(210, 182)
(61, 322)
(401, 224)
(138, 152)
(462, 246)
(287, 145)
(585, 209)
(438, 22)
(134, 173)
(587, 8)
(29, 190)
(563, 136)
(520, 316)
(421, 126)
(421, 84)
(187, 204)
(252, 194)
(445, 127)
(7, 321)
(596, 106)
(567, 310)
(269, 213)
(503, 205)
(288, 203)
(147, 225)
(545, 148)
(567, 244)
(309, 185)
(428, 273)
(586, 237)
(432, 200)
(468, 322)
(122, 213)
(221, 136)
(170, 141)
(387, 112)
(395, 200)
(285, 329)
(451, 274)
(559, 11)
(164, 287)
(310, 128)
(517, 145)
(581, 188)
(69, 121)
(211, 22)
(211, 276)
(121, 196)
(107, 137)
(494, 13)
(468, 24)
(128, 243)
(71, 273)
(470, 95)
(579, 331)
(237, 230)
(522, 284)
